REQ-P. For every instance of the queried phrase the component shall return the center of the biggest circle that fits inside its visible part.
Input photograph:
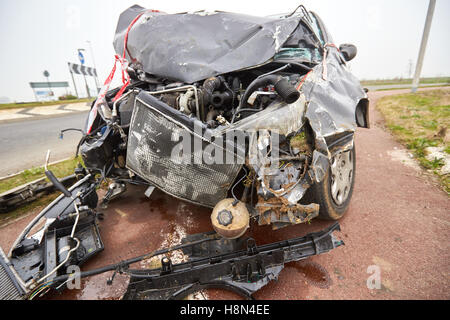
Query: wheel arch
(362, 113)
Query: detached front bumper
(243, 271)
(238, 265)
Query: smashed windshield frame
(309, 26)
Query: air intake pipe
(285, 90)
(209, 86)
(222, 99)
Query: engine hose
(284, 89)
(221, 99)
(209, 86)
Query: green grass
(60, 169)
(405, 81)
(447, 150)
(419, 121)
(6, 106)
(420, 86)
(36, 205)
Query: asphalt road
(397, 224)
(24, 144)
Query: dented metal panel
(278, 117)
(332, 93)
(189, 47)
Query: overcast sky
(45, 35)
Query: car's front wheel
(334, 193)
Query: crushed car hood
(189, 47)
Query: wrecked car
(253, 117)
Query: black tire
(321, 194)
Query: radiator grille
(9, 289)
(150, 145)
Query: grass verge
(61, 169)
(36, 206)
(419, 121)
(405, 81)
(420, 86)
(6, 106)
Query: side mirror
(348, 51)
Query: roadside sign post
(73, 80)
(423, 45)
(80, 69)
(81, 57)
(47, 74)
(35, 96)
(49, 85)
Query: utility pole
(410, 69)
(423, 45)
(95, 67)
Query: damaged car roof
(189, 47)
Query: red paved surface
(397, 220)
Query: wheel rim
(341, 176)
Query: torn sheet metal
(189, 47)
(278, 117)
(332, 102)
(42, 251)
